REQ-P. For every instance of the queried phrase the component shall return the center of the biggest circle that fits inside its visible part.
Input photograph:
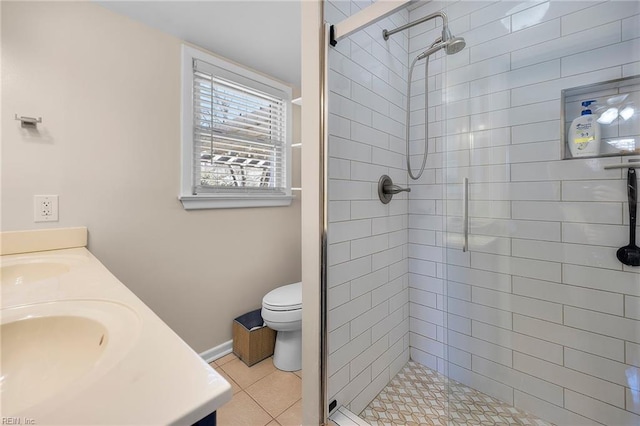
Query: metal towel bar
(630, 165)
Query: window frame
(228, 199)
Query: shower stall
(490, 293)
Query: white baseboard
(217, 352)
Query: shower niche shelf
(617, 110)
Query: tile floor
(266, 396)
(262, 394)
(421, 396)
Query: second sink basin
(19, 270)
(29, 272)
(47, 347)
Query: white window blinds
(239, 133)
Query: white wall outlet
(45, 208)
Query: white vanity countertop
(155, 379)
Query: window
(236, 131)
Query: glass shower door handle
(465, 214)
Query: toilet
(282, 312)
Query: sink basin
(48, 347)
(29, 272)
(22, 271)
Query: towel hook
(28, 122)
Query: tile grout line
(244, 389)
(264, 408)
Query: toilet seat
(282, 317)
(285, 298)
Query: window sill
(200, 202)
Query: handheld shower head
(437, 45)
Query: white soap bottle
(584, 134)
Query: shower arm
(387, 33)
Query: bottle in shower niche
(584, 133)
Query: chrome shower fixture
(446, 34)
(451, 45)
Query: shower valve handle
(394, 189)
(386, 189)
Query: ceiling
(260, 34)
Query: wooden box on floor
(252, 342)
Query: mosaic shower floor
(418, 395)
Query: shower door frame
(313, 411)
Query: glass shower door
(542, 320)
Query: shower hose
(426, 119)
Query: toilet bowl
(282, 312)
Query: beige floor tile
(276, 392)
(292, 415)
(273, 423)
(242, 411)
(225, 359)
(246, 376)
(234, 386)
(213, 364)
(298, 373)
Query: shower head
(451, 45)
(454, 45)
(446, 33)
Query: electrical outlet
(45, 208)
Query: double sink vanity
(78, 347)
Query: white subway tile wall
(368, 280)
(539, 313)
